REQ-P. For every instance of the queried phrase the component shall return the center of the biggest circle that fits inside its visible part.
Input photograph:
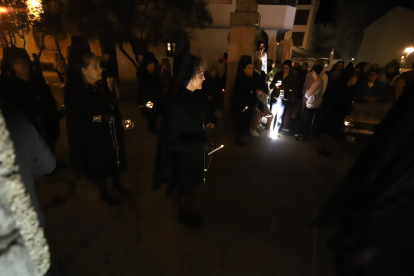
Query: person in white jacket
(313, 95)
(309, 79)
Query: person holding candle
(182, 143)
(244, 100)
(94, 125)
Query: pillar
(244, 23)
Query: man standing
(112, 74)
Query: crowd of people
(277, 97)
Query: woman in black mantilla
(22, 87)
(94, 126)
(244, 100)
(180, 155)
(150, 89)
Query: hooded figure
(244, 99)
(374, 205)
(180, 154)
(150, 89)
(22, 87)
(94, 124)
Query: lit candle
(245, 108)
(213, 151)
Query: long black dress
(244, 95)
(92, 145)
(180, 155)
(35, 99)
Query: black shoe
(189, 220)
(239, 142)
(108, 199)
(325, 152)
(120, 189)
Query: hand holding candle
(214, 150)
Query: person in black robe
(37, 65)
(370, 90)
(373, 207)
(336, 104)
(150, 90)
(180, 154)
(94, 125)
(22, 87)
(212, 95)
(244, 98)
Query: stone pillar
(244, 23)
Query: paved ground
(257, 204)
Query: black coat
(363, 90)
(336, 104)
(244, 95)
(180, 154)
(91, 144)
(289, 83)
(150, 88)
(35, 99)
(261, 81)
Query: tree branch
(121, 48)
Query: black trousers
(306, 125)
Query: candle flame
(222, 146)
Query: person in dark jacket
(260, 77)
(336, 104)
(283, 81)
(37, 65)
(244, 99)
(150, 90)
(372, 208)
(22, 87)
(182, 140)
(94, 126)
(371, 89)
(336, 71)
(112, 74)
(213, 90)
(166, 73)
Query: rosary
(209, 163)
(114, 140)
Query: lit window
(170, 49)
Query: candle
(213, 151)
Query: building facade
(388, 37)
(303, 25)
(211, 43)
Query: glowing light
(128, 124)
(223, 90)
(34, 9)
(347, 123)
(273, 135)
(409, 50)
(245, 108)
(216, 149)
(352, 58)
(150, 104)
(4, 10)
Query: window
(170, 49)
(280, 36)
(50, 43)
(301, 17)
(305, 2)
(297, 38)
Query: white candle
(213, 151)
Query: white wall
(276, 16)
(387, 38)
